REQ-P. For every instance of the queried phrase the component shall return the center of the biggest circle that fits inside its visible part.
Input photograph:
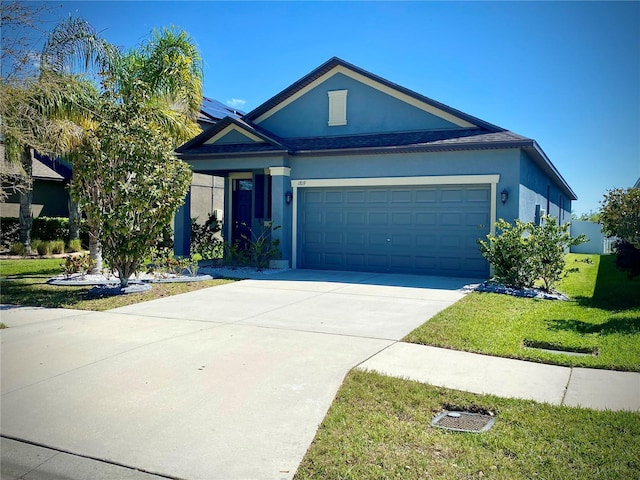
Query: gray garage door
(408, 229)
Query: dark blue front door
(241, 211)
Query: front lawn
(379, 428)
(23, 283)
(603, 318)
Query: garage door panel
(478, 195)
(354, 261)
(426, 218)
(452, 195)
(401, 196)
(450, 219)
(408, 229)
(378, 218)
(476, 218)
(401, 218)
(426, 195)
(356, 197)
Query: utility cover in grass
(460, 421)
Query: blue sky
(565, 74)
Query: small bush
(627, 257)
(9, 232)
(75, 245)
(81, 264)
(257, 251)
(16, 248)
(57, 246)
(205, 239)
(524, 252)
(43, 247)
(163, 264)
(50, 228)
(511, 252)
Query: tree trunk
(95, 252)
(26, 196)
(74, 219)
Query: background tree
(159, 84)
(620, 214)
(620, 217)
(43, 114)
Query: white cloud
(236, 102)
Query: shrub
(9, 232)
(50, 228)
(511, 252)
(258, 251)
(627, 257)
(620, 215)
(43, 228)
(550, 243)
(57, 246)
(43, 247)
(17, 248)
(163, 263)
(205, 239)
(81, 264)
(524, 252)
(75, 245)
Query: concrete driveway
(229, 382)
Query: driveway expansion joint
(79, 455)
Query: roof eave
(209, 155)
(546, 164)
(412, 148)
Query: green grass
(379, 428)
(23, 283)
(603, 316)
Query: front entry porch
(254, 200)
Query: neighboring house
(363, 174)
(51, 179)
(50, 192)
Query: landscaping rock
(111, 290)
(492, 287)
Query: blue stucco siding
(481, 162)
(234, 137)
(368, 111)
(536, 188)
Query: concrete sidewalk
(504, 377)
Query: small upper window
(337, 107)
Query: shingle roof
(463, 138)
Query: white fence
(597, 243)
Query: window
(337, 107)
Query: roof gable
(335, 67)
(231, 132)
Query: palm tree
(163, 76)
(165, 72)
(42, 114)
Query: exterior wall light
(288, 197)
(504, 196)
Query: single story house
(363, 174)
